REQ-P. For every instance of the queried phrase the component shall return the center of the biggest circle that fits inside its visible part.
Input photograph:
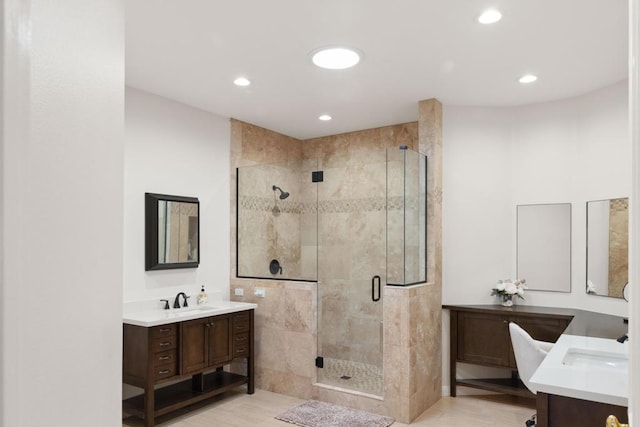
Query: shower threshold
(351, 377)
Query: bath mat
(321, 414)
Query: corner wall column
(413, 314)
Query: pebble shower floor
(352, 375)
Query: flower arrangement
(508, 288)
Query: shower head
(283, 194)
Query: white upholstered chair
(529, 355)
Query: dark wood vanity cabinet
(194, 351)
(553, 410)
(480, 335)
(242, 337)
(205, 343)
(149, 354)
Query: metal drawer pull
(243, 338)
(164, 358)
(163, 372)
(240, 350)
(165, 329)
(164, 344)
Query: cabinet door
(219, 340)
(542, 328)
(194, 340)
(483, 339)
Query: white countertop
(155, 316)
(595, 381)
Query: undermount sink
(199, 308)
(190, 310)
(585, 358)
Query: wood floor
(237, 409)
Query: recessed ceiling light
(336, 58)
(324, 117)
(528, 78)
(242, 81)
(490, 16)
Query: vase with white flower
(508, 290)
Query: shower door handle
(375, 279)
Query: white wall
(61, 211)
(476, 202)
(175, 149)
(572, 151)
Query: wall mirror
(172, 232)
(607, 247)
(544, 246)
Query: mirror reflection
(544, 246)
(177, 232)
(172, 228)
(607, 247)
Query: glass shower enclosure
(350, 225)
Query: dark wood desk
(479, 335)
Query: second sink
(586, 358)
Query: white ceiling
(191, 50)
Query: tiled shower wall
(285, 344)
(271, 227)
(286, 326)
(352, 238)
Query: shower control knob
(275, 267)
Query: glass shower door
(351, 271)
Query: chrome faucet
(176, 302)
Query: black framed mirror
(172, 232)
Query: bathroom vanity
(177, 356)
(582, 380)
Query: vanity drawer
(241, 345)
(240, 322)
(164, 357)
(164, 371)
(163, 331)
(163, 344)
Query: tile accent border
(368, 204)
